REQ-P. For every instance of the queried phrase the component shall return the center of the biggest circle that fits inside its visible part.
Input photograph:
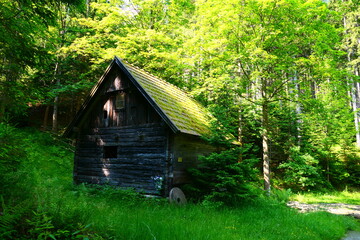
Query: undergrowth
(42, 203)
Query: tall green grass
(59, 209)
(150, 219)
(333, 197)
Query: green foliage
(281, 195)
(108, 192)
(11, 156)
(24, 49)
(32, 163)
(235, 57)
(11, 216)
(40, 226)
(301, 171)
(21, 222)
(55, 209)
(345, 170)
(223, 177)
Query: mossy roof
(186, 114)
(181, 112)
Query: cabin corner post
(169, 158)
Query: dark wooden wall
(186, 150)
(139, 160)
(122, 141)
(121, 104)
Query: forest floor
(353, 235)
(51, 206)
(335, 208)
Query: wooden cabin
(137, 131)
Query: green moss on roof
(184, 112)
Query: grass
(256, 221)
(116, 214)
(334, 197)
(62, 209)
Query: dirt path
(335, 208)
(352, 236)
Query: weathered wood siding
(123, 141)
(140, 160)
(186, 150)
(118, 103)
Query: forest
(282, 77)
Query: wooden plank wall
(141, 157)
(186, 151)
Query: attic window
(120, 101)
(110, 152)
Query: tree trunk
(354, 86)
(355, 94)
(240, 120)
(56, 101)
(265, 146)
(55, 115)
(57, 73)
(356, 112)
(88, 8)
(46, 117)
(240, 131)
(298, 109)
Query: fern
(11, 218)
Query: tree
(350, 13)
(257, 48)
(23, 29)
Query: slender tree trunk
(313, 89)
(240, 129)
(88, 7)
(265, 146)
(354, 86)
(355, 102)
(46, 117)
(298, 110)
(55, 115)
(355, 94)
(63, 21)
(56, 102)
(240, 120)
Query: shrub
(345, 171)
(11, 155)
(301, 171)
(281, 195)
(222, 179)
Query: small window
(120, 101)
(110, 152)
(105, 114)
